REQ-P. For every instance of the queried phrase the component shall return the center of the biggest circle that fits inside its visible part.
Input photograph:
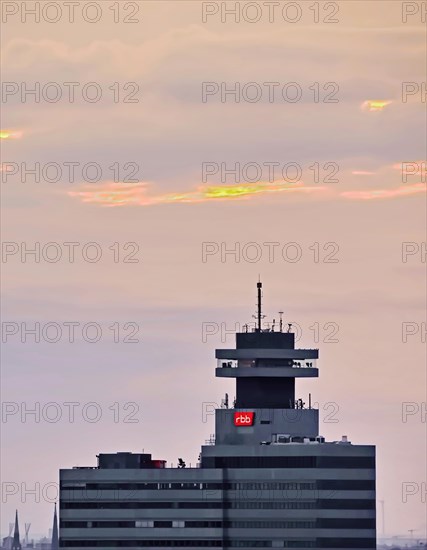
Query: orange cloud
(362, 173)
(9, 134)
(115, 194)
(371, 194)
(110, 194)
(374, 105)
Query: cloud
(362, 173)
(116, 194)
(10, 134)
(112, 194)
(375, 105)
(372, 194)
(172, 122)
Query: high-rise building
(268, 480)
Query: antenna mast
(382, 502)
(281, 321)
(259, 287)
(27, 531)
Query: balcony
(235, 368)
(252, 354)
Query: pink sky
(163, 139)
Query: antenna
(259, 312)
(259, 287)
(383, 517)
(281, 321)
(27, 531)
(259, 316)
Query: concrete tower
(265, 365)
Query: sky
(157, 158)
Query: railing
(304, 364)
(227, 364)
(296, 364)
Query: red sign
(243, 418)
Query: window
(144, 523)
(362, 462)
(178, 524)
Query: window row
(319, 523)
(297, 543)
(351, 484)
(328, 504)
(353, 462)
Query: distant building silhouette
(16, 543)
(55, 535)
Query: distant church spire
(16, 543)
(55, 536)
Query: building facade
(269, 480)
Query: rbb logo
(243, 418)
